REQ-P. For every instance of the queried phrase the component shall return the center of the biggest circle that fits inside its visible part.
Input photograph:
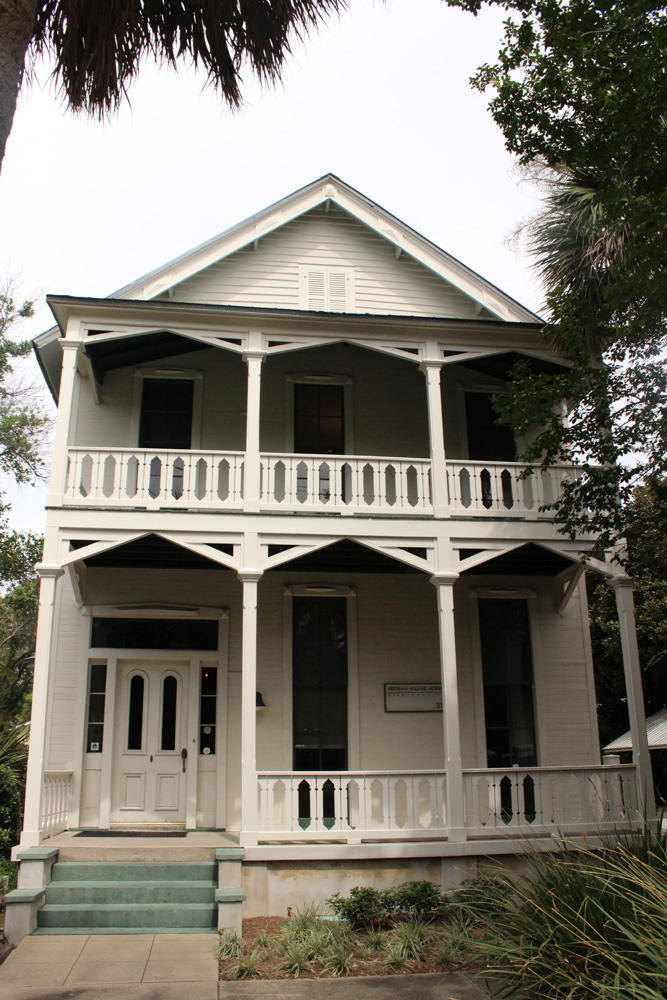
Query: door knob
(184, 757)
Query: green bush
(11, 803)
(10, 870)
(366, 907)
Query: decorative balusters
(57, 801)
(130, 478)
(347, 484)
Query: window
(319, 678)
(326, 289)
(96, 699)
(487, 440)
(319, 426)
(166, 413)
(153, 633)
(135, 714)
(169, 705)
(507, 669)
(208, 710)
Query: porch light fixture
(320, 589)
(316, 378)
(502, 592)
(168, 371)
(259, 701)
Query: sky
(380, 97)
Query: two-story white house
(298, 604)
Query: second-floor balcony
(325, 484)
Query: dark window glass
(319, 680)
(96, 700)
(207, 710)
(169, 697)
(153, 633)
(318, 419)
(135, 724)
(507, 669)
(166, 413)
(487, 440)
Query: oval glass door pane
(135, 724)
(169, 698)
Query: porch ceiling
(112, 354)
(151, 552)
(527, 560)
(348, 557)
(500, 365)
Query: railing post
(249, 818)
(34, 794)
(622, 586)
(62, 432)
(252, 474)
(444, 585)
(431, 370)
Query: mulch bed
(269, 967)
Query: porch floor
(196, 845)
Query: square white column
(249, 816)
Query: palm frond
(98, 48)
(14, 749)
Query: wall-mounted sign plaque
(413, 697)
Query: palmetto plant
(14, 750)
(96, 49)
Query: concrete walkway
(182, 967)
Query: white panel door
(150, 735)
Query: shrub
(245, 967)
(364, 907)
(10, 870)
(419, 899)
(408, 938)
(230, 945)
(11, 802)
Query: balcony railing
(409, 805)
(347, 484)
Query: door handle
(184, 757)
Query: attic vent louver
(326, 289)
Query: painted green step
(127, 930)
(127, 915)
(101, 893)
(134, 871)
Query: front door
(150, 735)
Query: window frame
(164, 375)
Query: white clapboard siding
(269, 275)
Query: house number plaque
(413, 697)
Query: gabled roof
(656, 731)
(330, 188)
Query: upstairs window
(166, 413)
(326, 289)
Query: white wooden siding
(269, 276)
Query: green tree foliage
(580, 94)
(96, 49)
(647, 564)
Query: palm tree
(576, 249)
(97, 47)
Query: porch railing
(127, 477)
(391, 805)
(497, 488)
(569, 799)
(346, 484)
(56, 802)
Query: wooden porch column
(249, 579)
(34, 792)
(252, 474)
(444, 585)
(62, 434)
(625, 606)
(431, 370)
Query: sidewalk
(182, 967)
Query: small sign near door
(413, 697)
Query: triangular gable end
(440, 284)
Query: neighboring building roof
(656, 731)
